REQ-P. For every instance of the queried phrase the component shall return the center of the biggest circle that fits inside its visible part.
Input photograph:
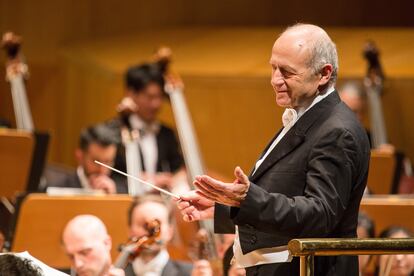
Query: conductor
(309, 180)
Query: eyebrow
(287, 67)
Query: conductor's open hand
(231, 194)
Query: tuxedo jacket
(172, 268)
(309, 186)
(169, 155)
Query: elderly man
(310, 178)
(88, 246)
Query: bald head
(313, 42)
(88, 245)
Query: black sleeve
(222, 222)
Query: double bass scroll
(16, 72)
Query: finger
(240, 175)
(207, 192)
(188, 211)
(211, 181)
(189, 196)
(218, 186)
(183, 204)
(207, 196)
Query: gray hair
(322, 50)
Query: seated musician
(365, 229)
(95, 143)
(158, 146)
(155, 259)
(351, 94)
(88, 246)
(12, 265)
(396, 265)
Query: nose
(77, 261)
(399, 258)
(277, 78)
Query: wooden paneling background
(78, 50)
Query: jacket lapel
(297, 134)
(289, 142)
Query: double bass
(189, 145)
(374, 84)
(16, 73)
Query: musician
(155, 260)
(159, 149)
(352, 95)
(12, 265)
(310, 178)
(365, 229)
(396, 265)
(95, 143)
(88, 246)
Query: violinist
(88, 245)
(158, 146)
(95, 143)
(154, 259)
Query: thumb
(240, 175)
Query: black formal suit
(67, 181)
(172, 268)
(309, 186)
(169, 155)
(72, 181)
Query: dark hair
(367, 223)
(100, 134)
(387, 233)
(144, 199)
(11, 265)
(140, 76)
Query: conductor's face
(293, 80)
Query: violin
(135, 247)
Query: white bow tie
(289, 117)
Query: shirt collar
(137, 123)
(82, 178)
(154, 266)
(290, 116)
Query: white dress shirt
(147, 142)
(153, 267)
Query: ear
(79, 155)
(108, 242)
(326, 73)
(170, 232)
